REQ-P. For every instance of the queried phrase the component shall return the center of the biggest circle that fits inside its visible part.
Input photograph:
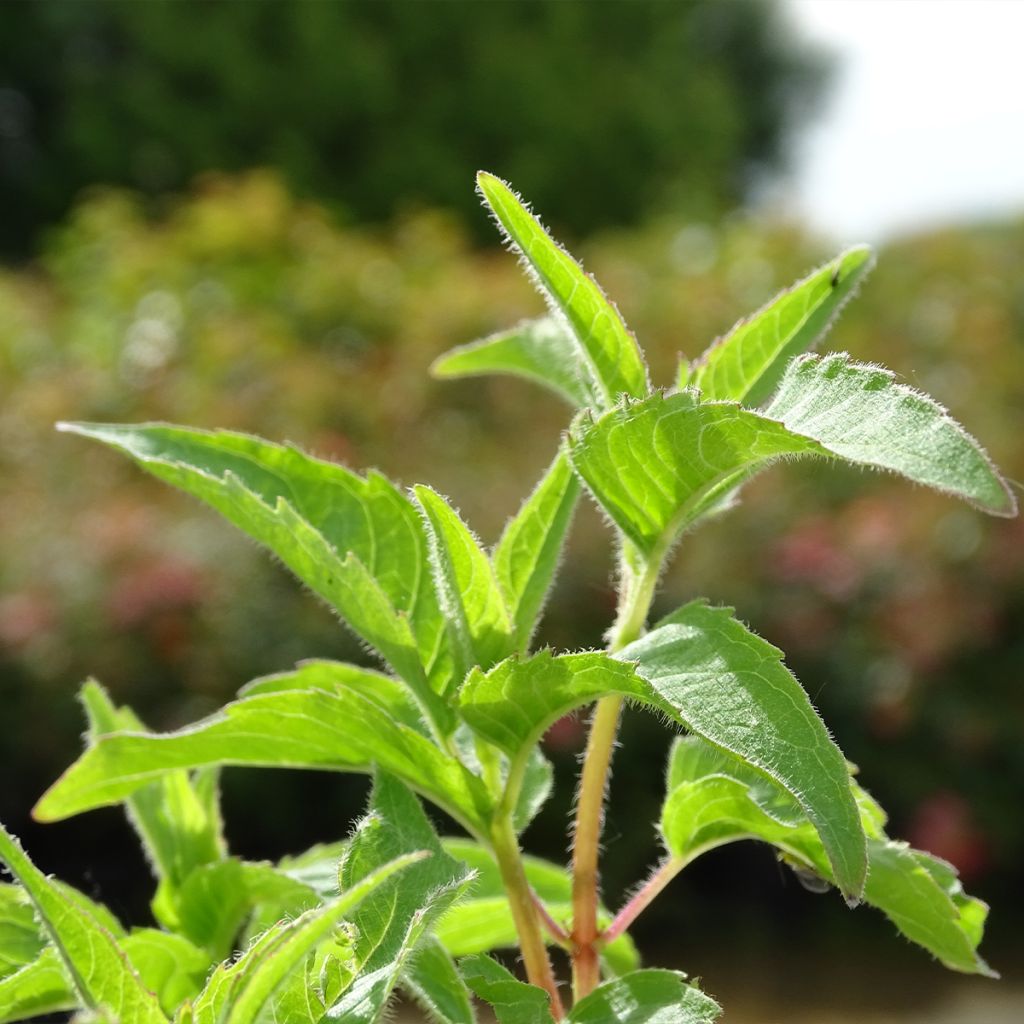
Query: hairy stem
(636, 594)
(642, 898)
(524, 912)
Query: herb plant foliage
(455, 713)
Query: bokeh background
(260, 216)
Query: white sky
(925, 124)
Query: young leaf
(434, 982)
(513, 1001)
(483, 921)
(727, 685)
(608, 351)
(526, 557)
(861, 414)
(478, 621)
(646, 997)
(746, 365)
(357, 542)
(38, 988)
(656, 466)
(169, 965)
(543, 351)
(391, 925)
(178, 829)
(96, 964)
(347, 730)
(715, 801)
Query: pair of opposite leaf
(412, 581)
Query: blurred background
(261, 216)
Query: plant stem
(524, 912)
(635, 601)
(642, 898)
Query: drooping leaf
(713, 800)
(608, 350)
(513, 1001)
(656, 466)
(747, 363)
(483, 920)
(861, 414)
(479, 626)
(349, 729)
(526, 557)
(391, 925)
(102, 977)
(179, 829)
(357, 542)
(646, 997)
(434, 982)
(38, 988)
(543, 351)
(727, 685)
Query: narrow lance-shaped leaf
(513, 1001)
(713, 800)
(526, 557)
(646, 997)
(543, 351)
(477, 620)
(350, 729)
(747, 363)
(357, 542)
(99, 970)
(391, 925)
(861, 414)
(608, 350)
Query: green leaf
(391, 925)
(479, 628)
(526, 558)
(727, 685)
(349, 729)
(357, 542)
(21, 940)
(543, 351)
(433, 981)
(656, 466)
(512, 705)
(861, 414)
(713, 801)
(169, 965)
(537, 782)
(747, 363)
(38, 988)
(96, 964)
(607, 349)
(179, 829)
(513, 1001)
(646, 997)
(483, 921)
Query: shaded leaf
(747, 363)
(169, 965)
(607, 349)
(646, 997)
(513, 1001)
(21, 940)
(543, 351)
(434, 982)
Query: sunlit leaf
(646, 997)
(513, 1001)
(39, 987)
(434, 982)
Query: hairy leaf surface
(713, 800)
(730, 687)
(543, 351)
(349, 730)
(607, 349)
(513, 1001)
(99, 971)
(435, 983)
(747, 363)
(526, 557)
(861, 414)
(646, 997)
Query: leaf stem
(640, 577)
(524, 912)
(642, 898)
